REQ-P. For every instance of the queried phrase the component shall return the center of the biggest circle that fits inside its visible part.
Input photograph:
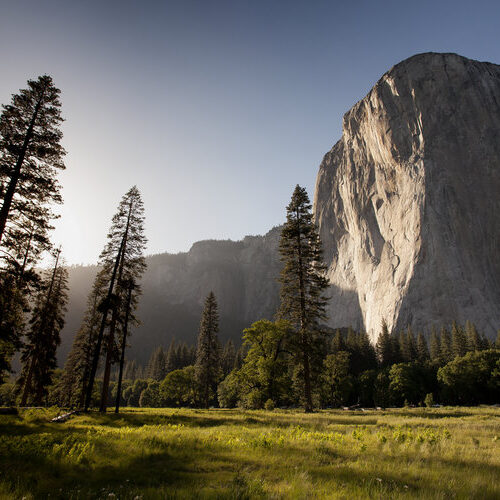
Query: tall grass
(167, 453)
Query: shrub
(429, 400)
(269, 405)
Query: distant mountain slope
(242, 274)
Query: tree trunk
(109, 353)
(303, 333)
(97, 350)
(124, 345)
(27, 382)
(107, 365)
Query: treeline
(292, 361)
(33, 302)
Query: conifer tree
(385, 347)
(123, 262)
(30, 157)
(156, 365)
(303, 284)
(172, 361)
(30, 154)
(435, 346)
(445, 343)
(422, 349)
(474, 341)
(458, 340)
(338, 343)
(208, 364)
(403, 347)
(43, 338)
(130, 370)
(75, 377)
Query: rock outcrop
(408, 201)
(242, 274)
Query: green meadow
(236, 454)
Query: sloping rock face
(408, 201)
(242, 274)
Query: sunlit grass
(168, 453)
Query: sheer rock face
(408, 201)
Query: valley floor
(184, 453)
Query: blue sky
(214, 109)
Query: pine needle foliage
(43, 337)
(30, 155)
(303, 283)
(208, 353)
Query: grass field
(170, 453)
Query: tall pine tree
(208, 354)
(303, 284)
(43, 338)
(30, 157)
(123, 262)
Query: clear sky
(214, 109)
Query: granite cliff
(408, 200)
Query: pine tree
(75, 378)
(422, 349)
(338, 343)
(123, 263)
(207, 366)
(403, 347)
(303, 284)
(130, 370)
(157, 364)
(474, 341)
(435, 347)
(385, 347)
(172, 361)
(458, 340)
(30, 156)
(43, 338)
(366, 353)
(445, 343)
(411, 345)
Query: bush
(179, 388)
(269, 405)
(228, 392)
(150, 397)
(472, 379)
(429, 400)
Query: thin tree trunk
(124, 345)
(97, 350)
(27, 382)
(107, 365)
(109, 353)
(11, 188)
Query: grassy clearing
(169, 453)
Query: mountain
(408, 200)
(242, 274)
